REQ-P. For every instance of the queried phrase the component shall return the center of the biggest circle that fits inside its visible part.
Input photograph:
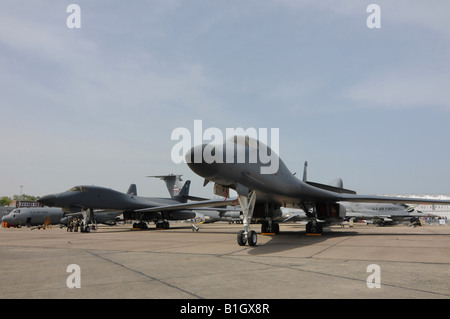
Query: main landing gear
(140, 225)
(160, 224)
(270, 227)
(314, 228)
(247, 205)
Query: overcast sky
(97, 104)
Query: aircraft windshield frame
(78, 189)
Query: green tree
(5, 200)
(25, 197)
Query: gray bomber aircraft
(92, 200)
(262, 195)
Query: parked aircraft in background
(210, 215)
(262, 195)
(46, 216)
(383, 214)
(377, 214)
(33, 216)
(92, 200)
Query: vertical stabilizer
(132, 190)
(337, 183)
(184, 193)
(173, 183)
(305, 172)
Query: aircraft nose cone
(47, 200)
(199, 164)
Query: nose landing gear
(247, 205)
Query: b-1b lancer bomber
(92, 200)
(262, 192)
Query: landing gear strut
(247, 205)
(88, 221)
(314, 227)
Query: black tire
(252, 238)
(264, 227)
(308, 228)
(241, 238)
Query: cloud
(106, 97)
(403, 65)
(68, 73)
(430, 15)
(402, 90)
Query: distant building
(25, 203)
(438, 210)
(435, 209)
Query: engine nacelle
(327, 210)
(263, 211)
(178, 215)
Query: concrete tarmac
(118, 262)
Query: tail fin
(305, 172)
(183, 194)
(173, 184)
(132, 190)
(336, 185)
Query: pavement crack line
(145, 275)
(260, 262)
(331, 246)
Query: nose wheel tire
(251, 238)
(241, 238)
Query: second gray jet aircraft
(92, 198)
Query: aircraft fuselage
(95, 197)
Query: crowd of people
(74, 225)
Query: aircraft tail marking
(173, 183)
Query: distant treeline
(5, 200)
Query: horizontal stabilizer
(173, 184)
(168, 176)
(332, 188)
(194, 197)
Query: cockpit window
(78, 189)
